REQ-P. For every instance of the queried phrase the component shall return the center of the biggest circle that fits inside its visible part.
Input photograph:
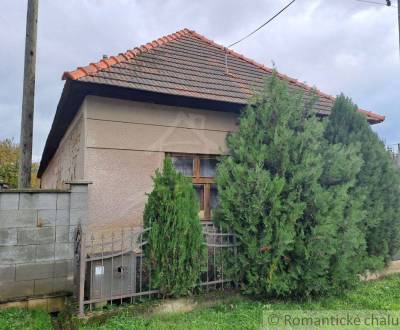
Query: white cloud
(339, 45)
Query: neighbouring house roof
(183, 68)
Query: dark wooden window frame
(197, 179)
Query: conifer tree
(377, 189)
(175, 246)
(341, 166)
(283, 191)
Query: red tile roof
(186, 63)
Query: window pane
(213, 197)
(200, 194)
(183, 164)
(208, 167)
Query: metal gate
(111, 266)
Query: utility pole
(28, 98)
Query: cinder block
(62, 234)
(63, 201)
(18, 218)
(46, 235)
(79, 188)
(7, 273)
(63, 285)
(22, 304)
(44, 201)
(64, 268)
(79, 200)
(26, 236)
(44, 286)
(56, 304)
(62, 217)
(46, 218)
(72, 233)
(17, 254)
(36, 304)
(34, 271)
(20, 289)
(40, 235)
(8, 236)
(78, 216)
(9, 201)
(64, 251)
(45, 252)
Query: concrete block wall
(37, 234)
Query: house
(118, 118)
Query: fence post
(132, 265)
(91, 268)
(112, 267)
(121, 284)
(235, 257)
(208, 256)
(82, 273)
(221, 253)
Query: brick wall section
(37, 233)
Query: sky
(336, 45)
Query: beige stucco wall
(121, 179)
(68, 162)
(127, 141)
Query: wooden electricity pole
(25, 160)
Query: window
(99, 270)
(208, 167)
(183, 164)
(201, 169)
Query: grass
(235, 313)
(244, 313)
(20, 319)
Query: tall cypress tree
(175, 248)
(282, 197)
(377, 189)
(341, 165)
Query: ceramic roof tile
(188, 64)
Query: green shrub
(377, 188)
(175, 246)
(284, 190)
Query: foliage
(242, 313)
(175, 243)
(11, 319)
(377, 189)
(35, 181)
(9, 165)
(9, 162)
(233, 313)
(283, 190)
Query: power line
(387, 4)
(264, 24)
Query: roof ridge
(283, 76)
(105, 63)
(261, 66)
(93, 68)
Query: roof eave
(75, 91)
(71, 98)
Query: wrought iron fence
(112, 266)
